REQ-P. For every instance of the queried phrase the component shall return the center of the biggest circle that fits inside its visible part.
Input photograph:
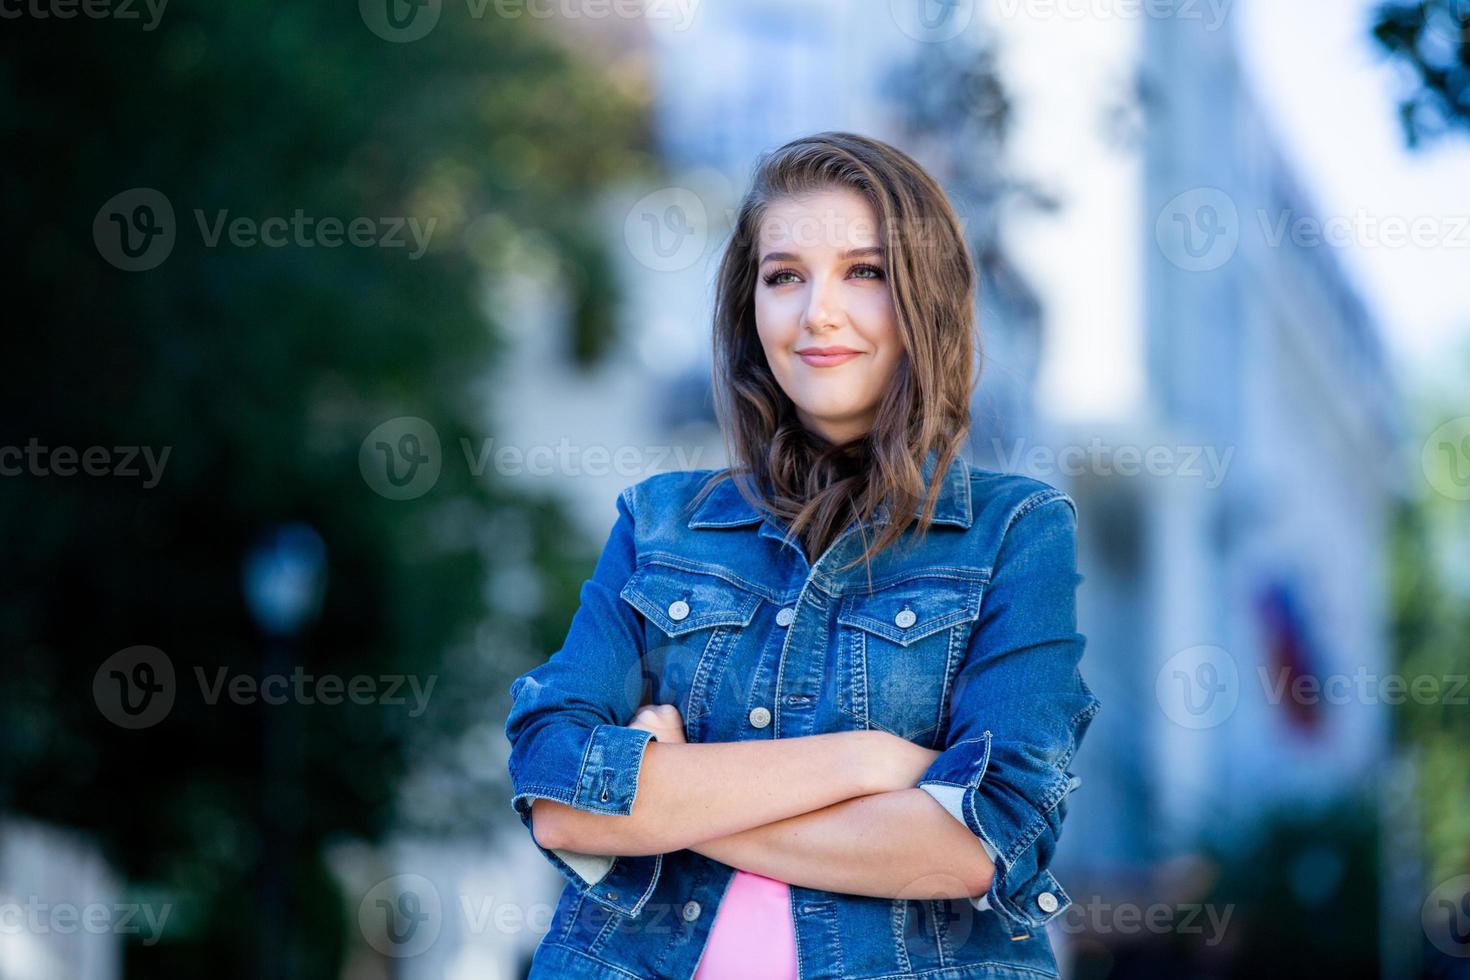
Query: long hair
(779, 466)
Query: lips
(827, 356)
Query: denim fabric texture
(965, 643)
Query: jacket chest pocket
(693, 618)
(895, 647)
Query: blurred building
(63, 914)
(1206, 385)
(1217, 401)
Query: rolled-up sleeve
(567, 725)
(1019, 711)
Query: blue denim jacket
(967, 643)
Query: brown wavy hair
(815, 487)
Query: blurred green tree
(261, 369)
(1431, 620)
(1431, 38)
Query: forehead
(834, 218)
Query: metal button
(785, 616)
(1047, 901)
(691, 911)
(612, 896)
(678, 609)
(760, 717)
(905, 618)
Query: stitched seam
(669, 560)
(962, 573)
(1034, 501)
(603, 963)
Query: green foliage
(1431, 38)
(1431, 620)
(262, 369)
(1305, 896)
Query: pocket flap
(912, 610)
(679, 601)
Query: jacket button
(1047, 901)
(905, 618)
(785, 616)
(691, 911)
(678, 609)
(760, 717)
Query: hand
(663, 720)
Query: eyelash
(770, 278)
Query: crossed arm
(838, 812)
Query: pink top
(752, 935)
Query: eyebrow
(851, 253)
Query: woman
(861, 651)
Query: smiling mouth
(815, 359)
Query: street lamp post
(284, 578)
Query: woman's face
(823, 286)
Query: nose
(824, 306)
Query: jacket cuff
(973, 788)
(607, 783)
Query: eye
(870, 272)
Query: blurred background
(335, 332)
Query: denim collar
(725, 507)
